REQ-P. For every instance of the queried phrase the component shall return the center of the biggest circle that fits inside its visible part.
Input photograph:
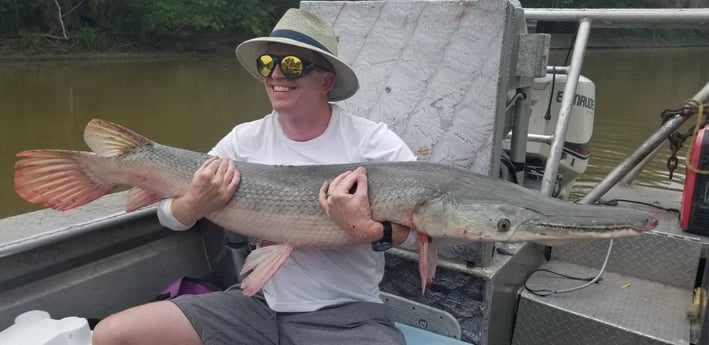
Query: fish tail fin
(110, 139)
(263, 263)
(57, 179)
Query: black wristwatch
(385, 242)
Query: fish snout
(650, 224)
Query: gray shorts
(230, 318)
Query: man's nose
(277, 73)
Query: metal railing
(644, 151)
(609, 18)
(624, 17)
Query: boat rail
(34, 236)
(624, 17)
(643, 154)
(608, 18)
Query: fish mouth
(542, 230)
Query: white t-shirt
(312, 279)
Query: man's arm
(213, 184)
(400, 234)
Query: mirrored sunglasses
(292, 67)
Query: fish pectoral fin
(428, 259)
(263, 263)
(139, 197)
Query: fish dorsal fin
(109, 139)
(139, 197)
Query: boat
(465, 98)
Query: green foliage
(13, 15)
(98, 23)
(158, 18)
(254, 19)
(94, 22)
(211, 15)
(88, 37)
(30, 41)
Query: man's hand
(346, 203)
(212, 186)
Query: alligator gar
(280, 203)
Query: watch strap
(386, 241)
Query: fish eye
(504, 225)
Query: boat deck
(643, 296)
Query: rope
(697, 127)
(677, 139)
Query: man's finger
(204, 165)
(338, 180)
(350, 183)
(322, 197)
(361, 175)
(233, 180)
(211, 165)
(224, 165)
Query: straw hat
(303, 29)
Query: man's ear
(328, 82)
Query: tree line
(148, 22)
(97, 23)
(616, 3)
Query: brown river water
(192, 103)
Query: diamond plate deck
(666, 254)
(669, 200)
(619, 310)
(481, 299)
(655, 256)
(644, 294)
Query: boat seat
(417, 336)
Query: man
(317, 296)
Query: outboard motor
(547, 93)
(694, 215)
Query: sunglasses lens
(265, 65)
(291, 66)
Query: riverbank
(637, 38)
(38, 49)
(19, 49)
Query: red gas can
(694, 215)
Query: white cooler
(36, 327)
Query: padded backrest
(435, 71)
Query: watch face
(381, 246)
